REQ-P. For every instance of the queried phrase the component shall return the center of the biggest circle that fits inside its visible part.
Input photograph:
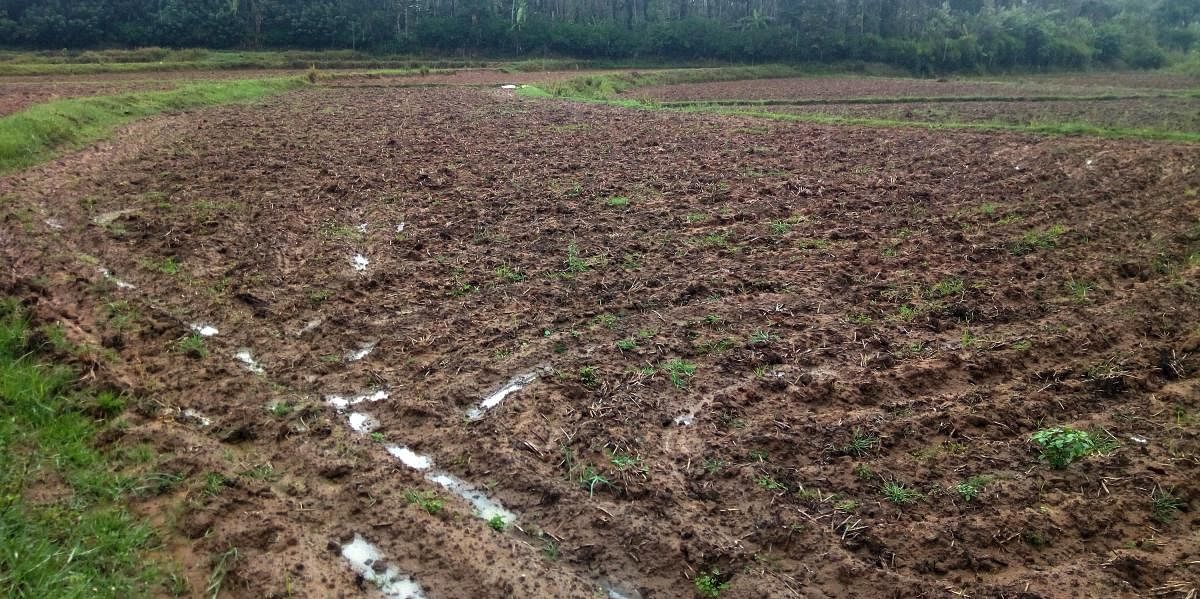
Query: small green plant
(497, 523)
(317, 297)
(780, 227)
(606, 320)
(758, 455)
(860, 443)
(712, 320)
(192, 345)
(167, 266)
(769, 483)
(898, 493)
(213, 484)
(550, 549)
(680, 371)
(761, 337)
(1062, 445)
(627, 344)
(426, 500)
(509, 274)
(695, 217)
(462, 288)
(969, 489)
(859, 319)
(617, 202)
(846, 505)
(627, 462)
(865, 472)
(589, 376)
(1079, 290)
(280, 409)
(1164, 505)
(575, 263)
(948, 287)
(1038, 240)
(713, 465)
(988, 209)
(591, 479)
(708, 584)
(109, 404)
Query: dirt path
(860, 306)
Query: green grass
(64, 528)
(608, 86)
(898, 493)
(38, 133)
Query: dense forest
(921, 35)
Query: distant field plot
(831, 87)
(1178, 114)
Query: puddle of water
(616, 590)
(400, 227)
(363, 423)
(362, 227)
(341, 402)
(360, 262)
(366, 559)
(685, 419)
(1140, 440)
(204, 330)
(109, 218)
(247, 359)
(107, 274)
(516, 384)
(410, 458)
(54, 223)
(510, 86)
(190, 415)
(364, 350)
(483, 506)
(309, 327)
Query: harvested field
(838, 87)
(1172, 114)
(631, 352)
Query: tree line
(921, 35)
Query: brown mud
(937, 296)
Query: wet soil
(861, 306)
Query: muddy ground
(1165, 114)
(860, 306)
(847, 86)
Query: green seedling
(708, 584)
(497, 523)
(1164, 506)
(860, 443)
(680, 371)
(1061, 445)
(898, 493)
(969, 489)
